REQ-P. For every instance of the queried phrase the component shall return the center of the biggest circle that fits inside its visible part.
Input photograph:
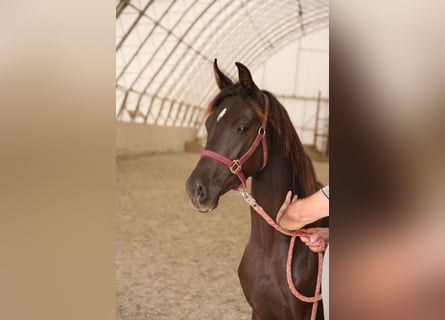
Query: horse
(251, 126)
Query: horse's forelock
(230, 91)
(233, 91)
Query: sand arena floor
(173, 262)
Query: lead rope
(317, 295)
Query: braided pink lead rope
(317, 296)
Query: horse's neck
(269, 188)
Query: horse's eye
(241, 129)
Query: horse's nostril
(201, 193)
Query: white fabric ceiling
(164, 49)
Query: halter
(236, 165)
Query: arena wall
(134, 138)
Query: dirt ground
(173, 262)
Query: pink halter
(235, 166)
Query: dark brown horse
(234, 118)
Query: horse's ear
(221, 79)
(246, 82)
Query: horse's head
(235, 131)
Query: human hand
(295, 214)
(316, 239)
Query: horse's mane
(284, 134)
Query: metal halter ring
(261, 131)
(235, 167)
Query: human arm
(295, 214)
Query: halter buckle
(235, 167)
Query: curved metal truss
(164, 49)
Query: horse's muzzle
(200, 196)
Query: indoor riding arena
(172, 261)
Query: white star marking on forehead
(221, 114)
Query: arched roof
(164, 49)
